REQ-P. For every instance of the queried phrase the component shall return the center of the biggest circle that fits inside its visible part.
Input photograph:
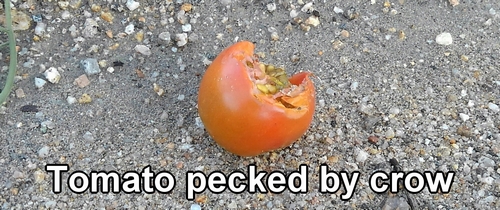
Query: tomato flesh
(244, 120)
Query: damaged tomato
(248, 107)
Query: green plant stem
(13, 54)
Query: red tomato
(249, 108)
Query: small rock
(444, 39)
(180, 97)
(143, 49)
(85, 99)
(132, 5)
(373, 139)
(20, 21)
(165, 36)
(454, 2)
(464, 131)
(362, 156)
(90, 29)
(186, 27)
(271, 7)
(294, 13)
(312, 20)
(493, 107)
(52, 75)
(88, 136)
(158, 90)
(90, 66)
(464, 117)
(389, 134)
(486, 161)
(195, 207)
(186, 7)
(50, 204)
(307, 7)
(338, 10)
(39, 176)
(82, 81)
(181, 39)
(43, 152)
(71, 100)
(18, 175)
(40, 28)
(351, 13)
(20, 93)
(129, 29)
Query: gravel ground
(387, 87)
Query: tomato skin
(242, 121)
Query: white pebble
(142, 49)
(39, 83)
(493, 107)
(307, 7)
(180, 97)
(271, 7)
(65, 15)
(293, 13)
(338, 10)
(40, 28)
(165, 36)
(186, 27)
(181, 39)
(110, 69)
(362, 156)
(71, 100)
(354, 85)
(129, 29)
(464, 117)
(43, 152)
(132, 5)
(52, 75)
(444, 39)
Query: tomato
(249, 108)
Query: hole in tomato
(273, 81)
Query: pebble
(338, 10)
(52, 75)
(186, 27)
(39, 83)
(90, 29)
(39, 176)
(444, 39)
(373, 139)
(354, 86)
(132, 5)
(307, 7)
(464, 117)
(90, 66)
(71, 100)
(362, 156)
(486, 161)
(293, 13)
(389, 134)
(20, 93)
(271, 7)
(180, 97)
(85, 99)
(50, 204)
(493, 107)
(22, 21)
(312, 20)
(40, 28)
(43, 152)
(195, 207)
(88, 136)
(181, 39)
(143, 49)
(129, 29)
(82, 81)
